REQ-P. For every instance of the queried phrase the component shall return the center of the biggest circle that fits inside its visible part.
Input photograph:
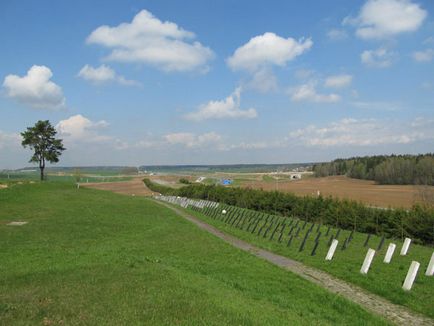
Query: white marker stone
(411, 275)
(367, 262)
(332, 249)
(430, 268)
(224, 211)
(389, 253)
(405, 246)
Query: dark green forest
(384, 169)
(416, 223)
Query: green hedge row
(416, 223)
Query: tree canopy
(41, 139)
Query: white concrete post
(405, 246)
(389, 253)
(332, 249)
(411, 275)
(367, 262)
(430, 268)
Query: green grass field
(383, 279)
(89, 257)
(34, 176)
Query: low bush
(416, 223)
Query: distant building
(295, 176)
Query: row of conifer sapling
(285, 229)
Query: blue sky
(201, 82)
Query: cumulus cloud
(423, 56)
(35, 89)
(429, 40)
(191, 140)
(379, 19)
(148, 40)
(104, 74)
(263, 81)
(263, 52)
(379, 58)
(338, 81)
(365, 132)
(267, 49)
(9, 140)
(336, 34)
(80, 128)
(229, 108)
(308, 93)
(377, 105)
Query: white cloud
(304, 73)
(338, 81)
(379, 19)
(104, 74)
(335, 34)
(379, 58)
(191, 140)
(9, 140)
(224, 109)
(263, 80)
(365, 132)
(423, 56)
(429, 40)
(266, 50)
(80, 128)
(307, 92)
(149, 40)
(377, 105)
(35, 89)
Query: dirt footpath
(134, 187)
(371, 302)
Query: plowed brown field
(134, 187)
(365, 191)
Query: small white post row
(405, 246)
(332, 249)
(367, 262)
(389, 253)
(430, 268)
(411, 276)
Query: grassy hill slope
(90, 257)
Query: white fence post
(405, 246)
(367, 262)
(332, 249)
(430, 268)
(389, 253)
(411, 275)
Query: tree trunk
(42, 167)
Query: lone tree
(41, 140)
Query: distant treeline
(393, 169)
(416, 223)
(229, 168)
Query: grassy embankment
(89, 257)
(383, 279)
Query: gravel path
(371, 302)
